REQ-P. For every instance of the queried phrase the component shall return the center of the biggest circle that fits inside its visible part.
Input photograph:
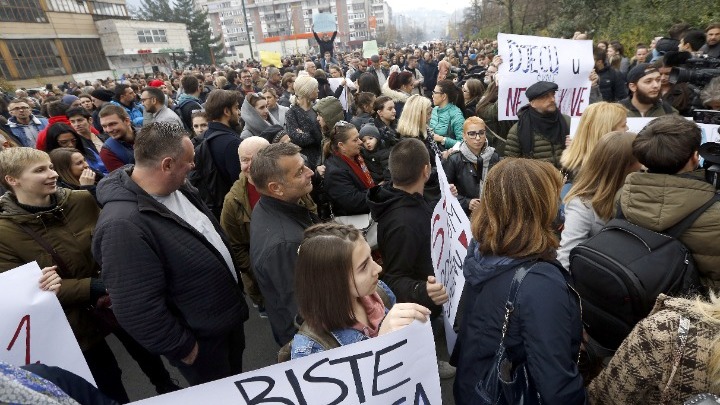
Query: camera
(710, 152)
(696, 71)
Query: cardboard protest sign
(268, 58)
(396, 368)
(334, 84)
(33, 326)
(370, 48)
(450, 236)
(323, 22)
(529, 59)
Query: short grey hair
(266, 164)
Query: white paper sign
(450, 233)
(636, 124)
(33, 326)
(334, 83)
(323, 22)
(396, 368)
(527, 60)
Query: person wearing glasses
(446, 121)
(467, 169)
(153, 99)
(24, 126)
(64, 136)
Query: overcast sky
(445, 5)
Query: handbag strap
(681, 340)
(518, 278)
(62, 267)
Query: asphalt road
(260, 351)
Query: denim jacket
(304, 346)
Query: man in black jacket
(166, 263)
(611, 82)
(276, 230)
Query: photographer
(712, 37)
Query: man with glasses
(24, 126)
(153, 99)
(246, 83)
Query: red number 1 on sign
(26, 321)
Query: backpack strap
(517, 280)
(324, 339)
(676, 230)
(120, 151)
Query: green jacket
(448, 122)
(543, 149)
(659, 201)
(68, 228)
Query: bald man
(235, 218)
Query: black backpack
(178, 109)
(620, 272)
(209, 182)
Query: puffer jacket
(545, 329)
(641, 367)
(170, 287)
(466, 176)
(659, 201)
(68, 229)
(543, 149)
(135, 112)
(448, 122)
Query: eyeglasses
(475, 134)
(343, 124)
(20, 109)
(437, 92)
(66, 142)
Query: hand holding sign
(50, 280)
(436, 291)
(401, 315)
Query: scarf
(482, 161)
(552, 127)
(358, 167)
(375, 310)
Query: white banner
(334, 83)
(33, 326)
(396, 368)
(527, 60)
(635, 124)
(450, 233)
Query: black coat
(276, 232)
(346, 191)
(169, 286)
(404, 239)
(612, 84)
(305, 133)
(461, 172)
(377, 163)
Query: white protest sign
(370, 48)
(450, 236)
(527, 60)
(396, 368)
(323, 22)
(636, 124)
(33, 326)
(334, 83)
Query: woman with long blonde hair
(656, 364)
(590, 202)
(597, 120)
(414, 120)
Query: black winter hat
(102, 94)
(271, 132)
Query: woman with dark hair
(347, 178)
(616, 57)
(287, 82)
(472, 90)
(73, 171)
(255, 114)
(369, 82)
(276, 110)
(487, 110)
(398, 87)
(385, 120)
(64, 136)
(335, 257)
(447, 118)
(363, 109)
(86, 102)
(514, 246)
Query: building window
(35, 57)
(85, 55)
(22, 11)
(112, 9)
(152, 36)
(68, 6)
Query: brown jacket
(641, 367)
(68, 228)
(659, 201)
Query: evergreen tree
(198, 29)
(154, 10)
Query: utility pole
(247, 29)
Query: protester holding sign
(512, 230)
(335, 257)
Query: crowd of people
(156, 204)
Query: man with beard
(712, 41)
(418, 79)
(541, 129)
(644, 83)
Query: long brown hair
(604, 172)
(322, 271)
(61, 159)
(519, 203)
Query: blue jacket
(448, 121)
(17, 131)
(304, 346)
(545, 329)
(135, 113)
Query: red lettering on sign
(26, 321)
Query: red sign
(141, 51)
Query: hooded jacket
(68, 229)
(544, 330)
(404, 238)
(169, 286)
(254, 123)
(17, 130)
(659, 201)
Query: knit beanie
(305, 86)
(103, 95)
(330, 109)
(369, 129)
(69, 99)
(156, 83)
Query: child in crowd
(375, 153)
